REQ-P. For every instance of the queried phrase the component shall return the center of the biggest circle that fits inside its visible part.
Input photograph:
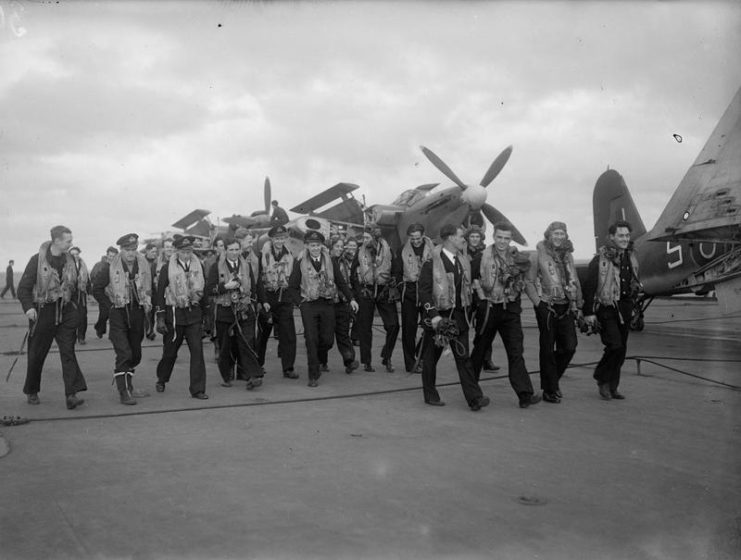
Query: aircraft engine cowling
(384, 217)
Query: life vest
(500, 279)
(411, 262)
(608, 283)
(83, 276)
(553, 287)
(317, 284)
(275, 274)
(345, 267)
(240, 296)
(185, 288)
(374, 271)
(49, 286)
(119, 285)
(443, 282)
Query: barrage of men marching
(453, 292)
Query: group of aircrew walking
(240, 295)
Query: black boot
(123, 389)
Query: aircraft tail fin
(611, 202)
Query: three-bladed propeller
(478, 199)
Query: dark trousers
(45, 331)
(82, 317)
(410, 312)
(318, 319)
(280, 317)
(342, 318)
(236, 342)
(192, 335)
(126, 335)
(557, 343)
(101, 323)
(8, 286)
(389, 317)
(508, 325)
(614, 334)
(459, 348)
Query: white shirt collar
(450, 255)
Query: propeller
(440, 164)
(496, 166)
(494, 216)
(267, 195)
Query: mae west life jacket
(553, 286)
(443, 282)
(412, 264)
(317, 284)
(501, 280)
(185, 288)
(119, 285)
(49, 286)
(240, 296)
(275, 273)
(374, 270)
(608, 282)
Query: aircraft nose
(474, 196)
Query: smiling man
(553, 287)
(47, 292)
(610, 290)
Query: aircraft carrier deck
(360, 467)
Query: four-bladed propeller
(474, 194)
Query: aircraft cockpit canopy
(410, 197)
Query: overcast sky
(119, 117)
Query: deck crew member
(374, 287)
(445, 294)
(180, 306)
(499, 283)
(315, 283)
(276, 266)
(125, 287)
(231, 283)
(553, 286)
(279, 217)
(610, 290)
(47, 293)
(416, 251)
(9, 284)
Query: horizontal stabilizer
(191, 219)
(340, 190)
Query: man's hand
(266, 307)
(231, 285)
(161, 325)
(354, 306)
(591, 319)
(32, 315)
(435, 321)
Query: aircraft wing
(707, 204)
(324, 198)
(191, 219)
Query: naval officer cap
(313, 235)
(277, 231)
(128, 241)
(184, 242)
